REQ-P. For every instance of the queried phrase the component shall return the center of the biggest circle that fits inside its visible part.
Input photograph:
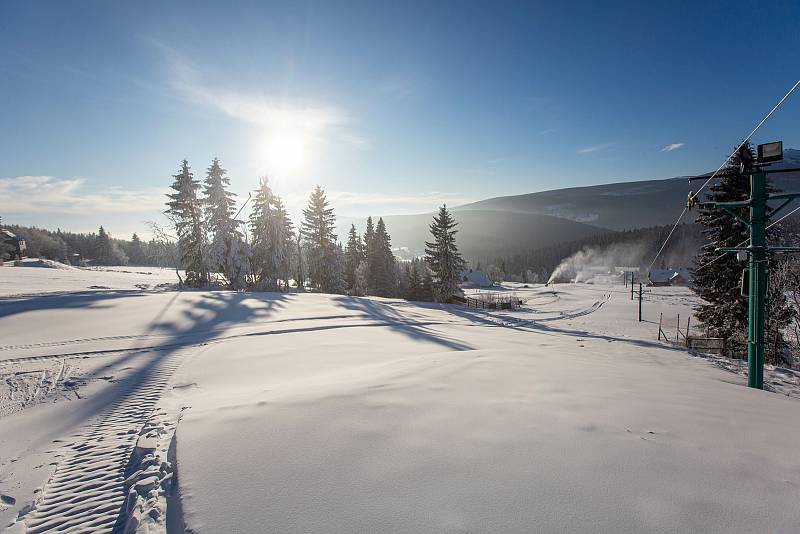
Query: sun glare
(286, 151)
(288, 147)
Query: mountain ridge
(534, 218)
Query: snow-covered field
(324, 413)
(45, 276)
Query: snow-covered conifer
(185, 212)
(136, 251)
(443, 257)
(361, 284)
(354, 255)
(283, 241)
(414, 282)
(6, 250)
(426, 289)
(262, 231)
(317, 229)
(273, 239)
(107, 252)
(381, 262)
(717, 279)
(228, 251)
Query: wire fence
(494, 301)
(668, 312)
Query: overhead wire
(694, 195)
(746, 139)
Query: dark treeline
(99, 248)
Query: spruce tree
(107, 252)
(260, 221)
(272, 235)
(337, 283)
(414, 282)
(718, 281)
(299, 273)
(426, 289)
(443, 258)
(103, 247)
(185, 211)
(219, 203)
(361, 285)
(136, 254)
(7, 251)
(228, 253)
(381, 262)
(283, 241)
(369, 254)
(354, 255)
(317, 229)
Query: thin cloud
(47, 194)
(671, 147)
(355, 140)
(595, 148)
(402, 203)
(399, 88)
(317, 121)
(434, 198)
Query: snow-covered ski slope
(324, 413)
(36, 276)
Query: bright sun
(287, 150)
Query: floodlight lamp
(770, 152)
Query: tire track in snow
(219, 339)
(134, 337)
(564, 316)
(88, 491)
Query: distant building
(668, 277)
(16, 242)
(472, 278)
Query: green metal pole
(757, 293)
(640, 302)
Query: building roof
(474, 278)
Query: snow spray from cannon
(589, 263)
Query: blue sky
(393, 107)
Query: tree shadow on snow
(387, 315)
(15, 305)
(207, 316)
(499, 319)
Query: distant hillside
(505, 226)
(619, 206)
(483, 233)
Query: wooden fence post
(660, 317)
(687, 329)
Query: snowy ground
(323, 413)
(43, 276)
